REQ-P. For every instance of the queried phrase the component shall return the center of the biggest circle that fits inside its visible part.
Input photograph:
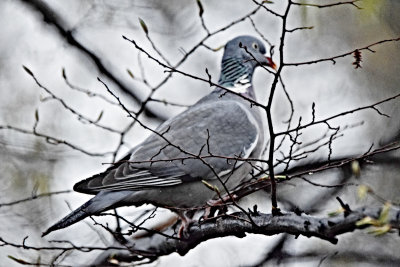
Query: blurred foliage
(369, 8)
(336, 212)
(379, 226)
(363, 191)
(355, 168)
(26, 171)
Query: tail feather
(101, 202)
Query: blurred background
(68, 44)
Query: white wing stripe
(133, 187)
(250, 117)
(151, 178)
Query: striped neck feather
(235, 75)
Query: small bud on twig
(27, 70)
(201, 10)
(130, 73)
(37, 115)
(99, 117)
(64, 75)
(144, 26)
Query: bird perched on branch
(204, 146)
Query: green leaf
(336, 212)
(362, 191)
(379, 226)
(355, 168)
(381, 230)
(144, 26)
(366, 221)
(384, 216)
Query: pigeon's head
(242, 55)
(250, 50)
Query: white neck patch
(241, 85)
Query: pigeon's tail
(101, 202)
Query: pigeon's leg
(215, 205)
(186, 220)
(208, 212)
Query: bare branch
(34, 197)
(315, 122)
(268, 109)
(80, 116)
(353, 3)
(54, 141)
(368, 48)
(54, 19)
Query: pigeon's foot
(186, 222)
(217, 205)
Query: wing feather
(224, 128)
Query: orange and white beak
(271, 63)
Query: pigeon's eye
(255, 46)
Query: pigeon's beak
(270, 63)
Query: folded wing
(204, 140)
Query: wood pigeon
(170, 169)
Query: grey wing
(226, 129)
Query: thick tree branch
(326, 228)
